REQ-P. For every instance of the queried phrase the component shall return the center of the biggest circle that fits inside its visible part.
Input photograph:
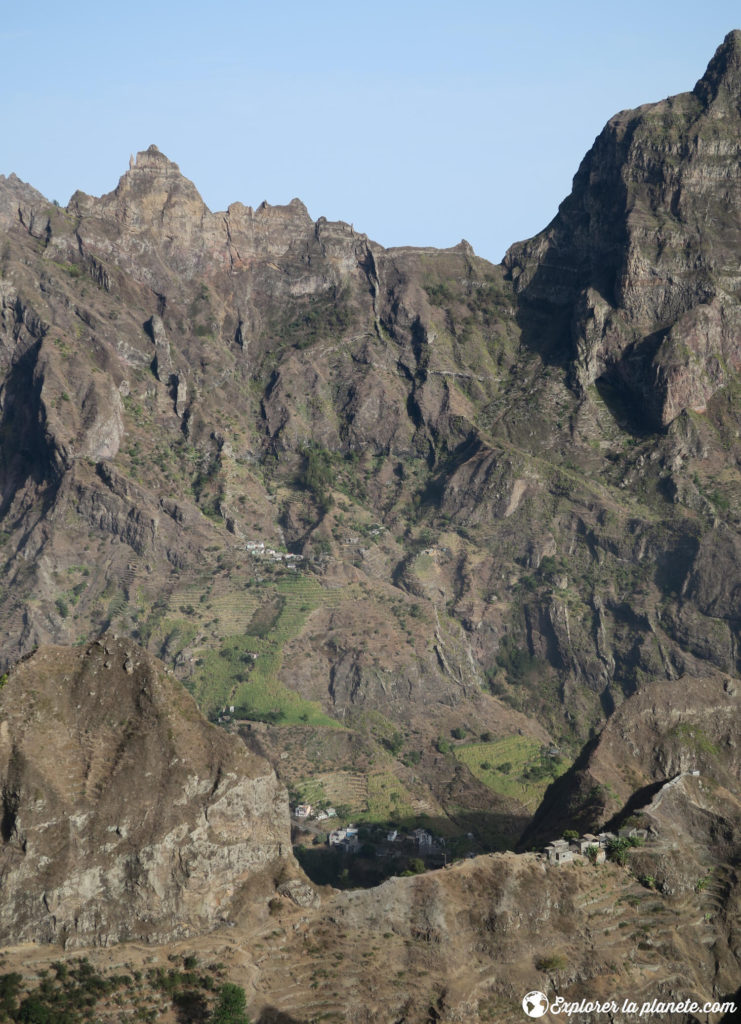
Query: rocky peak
(16, 200)
(152, 159)
(722, 80)
(631, 282)
(153, 172)
(152, 195)
(124, 813)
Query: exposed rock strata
(642, 256)
(125, 815)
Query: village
(595, 848)
(257, 549)
(372, 840)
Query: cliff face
(423, 518)
(509, 494)
(125, 815)
(640, 265)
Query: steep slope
(641, 261)
(668, 731)
(510, 494)
(464, 944)
(125, 815)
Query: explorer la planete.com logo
(535, 1004)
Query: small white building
(345, 838)
(586, 841)
(302, 811)
(559, 852)
(422, 838)
(605, 838)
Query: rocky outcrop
(639, 268)
(668, 730)
(458, 486)
(125, 815)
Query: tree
(318, 476)
(230, 1006)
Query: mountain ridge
(453, 545)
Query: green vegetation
(326, 315)
(72, 269)
(514, 767)
(232, 675)
(702, 883)
(554, 962)
(516, 661)
(318, 476)
(617, 849)
(77, 991)
(693, 737)
(372, 797)
(230, 1006)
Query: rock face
(319, 477)
(667, 732)
(641, 260)
(125, 815)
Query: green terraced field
(515, 767)
(232, 676)
(376, 797)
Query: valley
(446, 545)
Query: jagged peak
(723, 75)
(153, 159)
(154, 175)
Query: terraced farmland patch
(244, 671)
(376, 797)
(514, 766)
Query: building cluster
(258, 550)
(346, 839)
(307, 812)
(423, 842)
(561, 851)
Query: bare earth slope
(125, 814)
(441, 528)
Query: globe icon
(535, 1004)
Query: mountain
(510, 493)
(126, 816)
(447, 543)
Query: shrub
(555, 962)
(230, 1006)
(617, 849)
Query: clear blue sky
(420, 123)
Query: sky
(419, 123)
